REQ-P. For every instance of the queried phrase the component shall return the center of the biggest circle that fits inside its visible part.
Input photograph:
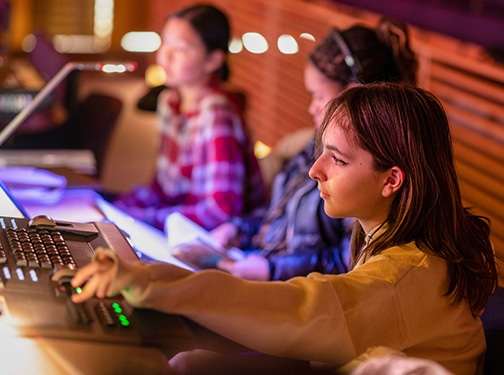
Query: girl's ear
(393, 181)
(215, 60)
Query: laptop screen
(9, 207)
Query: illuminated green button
(123, 320)
(117, 307)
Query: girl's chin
(330, 212)
(336, 214)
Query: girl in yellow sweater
(423, 265)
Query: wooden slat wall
(473, 95)
(471, 89)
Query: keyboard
(36, 265)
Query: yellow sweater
(395, 299)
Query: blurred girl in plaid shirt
(206, 168)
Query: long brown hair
(404, 126)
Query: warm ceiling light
(287, 44)
(254, 42)
(141, 41)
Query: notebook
(184, 243)
(194, 245)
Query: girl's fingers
(101, 264)
(96, 286)
(97, 275)
(84, 273)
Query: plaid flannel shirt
(206, 168)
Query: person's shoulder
(216, 97)
(216, 107)
(408, 255)
(396, 262)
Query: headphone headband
(350, 60)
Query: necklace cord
(369, 236)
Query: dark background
(477, 21)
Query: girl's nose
(315, 171)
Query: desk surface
(75, 205)
(68, 163)
(75, 179)
(205, 353)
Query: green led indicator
(117, 307)
(123, 320)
